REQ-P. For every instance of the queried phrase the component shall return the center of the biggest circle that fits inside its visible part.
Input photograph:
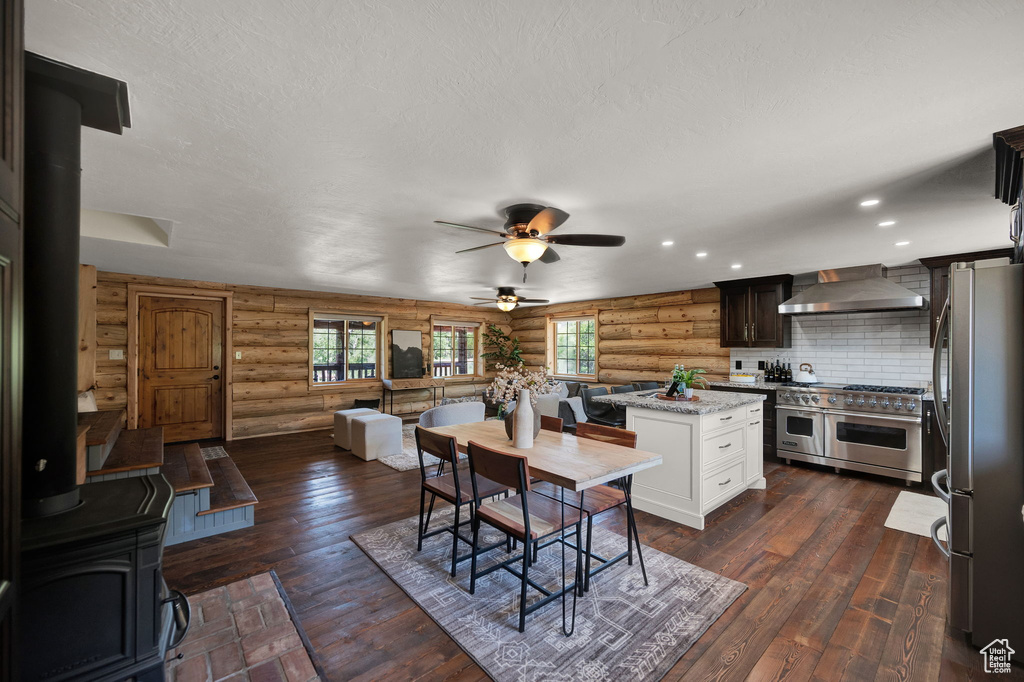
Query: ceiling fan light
(506, 306)
(525, 250)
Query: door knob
(216, 376)
(216, 367)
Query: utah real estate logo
(997, 656)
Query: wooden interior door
(181, 355)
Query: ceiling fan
(527, 234)
(507, 299)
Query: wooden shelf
(229, 490)
(185, 468)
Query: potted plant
(522, 386)
(506, 351)
(686, 378)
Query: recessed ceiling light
(668, 243)
(901, 243)
(702, 254)
(887, 223)
(736, 266)
(870, 202)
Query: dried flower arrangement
(509, 380)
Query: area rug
(624, 630)
(915, 513)
(216, 452)
(409, 459)
(245, 630)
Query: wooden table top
(559, 458)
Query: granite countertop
(709, 403)
(763, 385)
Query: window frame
(552, 345)
(451, 322)
(338, 315)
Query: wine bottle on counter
(789, 371)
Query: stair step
(136, 449)
(229, 490)
(103, 429)
(185, 468)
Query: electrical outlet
(238, 355)
(116, 354)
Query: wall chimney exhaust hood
(853, 290)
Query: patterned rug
(243, 631)
(624, 630)
(409, 459)
(216, 452)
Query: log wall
(640, 338)
(270, 327)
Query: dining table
(570, 463)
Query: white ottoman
(343, 425)
(376, 435)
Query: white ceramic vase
(522, 421)
(688, 392)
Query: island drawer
(723, 420)
(723, 483)
(724, 443)
(757, 411)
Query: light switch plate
(238, 355)
(116, 354)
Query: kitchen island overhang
(711, 448)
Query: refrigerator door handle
(936, 525)
(940, 407)
(939, 485)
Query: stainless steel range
(874, 429)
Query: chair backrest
(646, 385)
(501, 467)
(449, 415)
(590, 407)
(444, 448)
(628, 388)
(550, 423)
(608, 434)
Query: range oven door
(880, 440)
(799, 431)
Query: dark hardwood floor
(834, 595)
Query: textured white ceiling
(310, 143)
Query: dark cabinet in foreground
(750, 312)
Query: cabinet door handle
(725, 419)
(755, 423)
(753, 331)
(757, 410)
(726, 482)
(723, 447)
(745, 326)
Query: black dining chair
(454, 488)
(601, 413)
(645, 385)
(604, 498)
(526, 516)
(628, 388)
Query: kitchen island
(711, 450)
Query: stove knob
(873, 402)
(899, 403)
(805, 399)
(832, 399)
(815, 397)
(860, 401)
(885, 403)
(849, 400)
(911, 406)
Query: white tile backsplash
(887, 348)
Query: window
(454, 346)
(344, 348)
(575, 347)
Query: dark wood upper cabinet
(939, 269)
(750, 312)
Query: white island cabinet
(711, 451)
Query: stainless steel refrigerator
(981, 375)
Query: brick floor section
(241, 632)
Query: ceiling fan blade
(477, 298)
(547, 220)
(534, 300)
(587, 240)
(550, 256)
(477, 248)
(470, 227)
(487, 302)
